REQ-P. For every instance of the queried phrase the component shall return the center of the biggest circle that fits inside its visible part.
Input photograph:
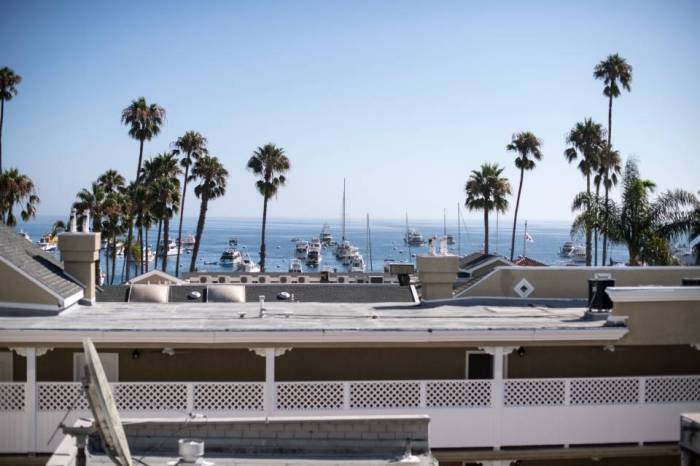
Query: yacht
(313, 256)
(413, 237)
(357, 264)
(230, 257)
(25, 236)
(170, 250)
(247, 264)
(48, 243)
(326, 236)
(188, 240)
(450, 240)
(301, 249)
(567, 249)
(233, 242)
(343, 249)
(578, 254)
(683, 254)
(315, 243)
(295, 266)
(352, 252)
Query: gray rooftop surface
(35, 262)
(302, 317)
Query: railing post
(346, 395)
(423, 394)
(269, 381)
(30, 400)
(190, 397)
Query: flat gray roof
(328, 322)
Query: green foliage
(17, 189)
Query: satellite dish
(101, 401)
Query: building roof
(38, 265)
(308, 293)
(528, 262)
(287, 322)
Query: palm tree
(212, 184)
(59, 226)
(270, 163)
(585, 139)
(16, 189)
(613, 70)
(646, 226)
(144, 123)
(111, 181)
(192, 145)
(90, 200)
(487, 190)
(8, 89)
(610, 167)
(112, 184)
(527, 146)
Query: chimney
(437, 275)
(80, 251)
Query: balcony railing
(463, 412)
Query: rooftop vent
(190, 450)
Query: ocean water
(386, 240)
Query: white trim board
(603, 334)
(638, 294)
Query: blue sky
(402, 98)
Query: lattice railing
(145, 396)
(672, 389)
(310, 395)
(61, 396)
(458, 394)
(534, 392)
(378, 395)
(599, 391)
(11, 396)
(229, 396)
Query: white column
(30, 398)
(269, 381)
(497, 394)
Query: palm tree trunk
(127, 251)
(515, 217)
(141, 246)
(145, 253)
(610, 121)
(160, 226)
(114, 257)
(179, 228)
(588, 226)
(486, 231)
(107, 263)
(605, 228)
(138, 168)
(200, 229)
(166, 227)
(595, 229)
(262, 239)
(2, 118)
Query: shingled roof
(38, 265)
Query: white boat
(295, 266)
(315, 243)
(357, 264)
(343, 250)
(247, 265)
(170, 250)
(578, 255)
(230, 257)
(25, 236)
(233, 242)
(302, 247)
(150, 255)
(188, 240)
(567, 249)
(352, 252)
(413, 237)
(47, 246)
(683, 254)
(313, 256)
(326, 236)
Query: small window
(110, 363)
(479, 365)
(6, 366)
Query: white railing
(463, 412)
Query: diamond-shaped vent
(524, 288)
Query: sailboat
(450, 238)
(413, 236)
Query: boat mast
(444, 222)
(369, 245)
(343, 210)
(459, 233)
(525, 240)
